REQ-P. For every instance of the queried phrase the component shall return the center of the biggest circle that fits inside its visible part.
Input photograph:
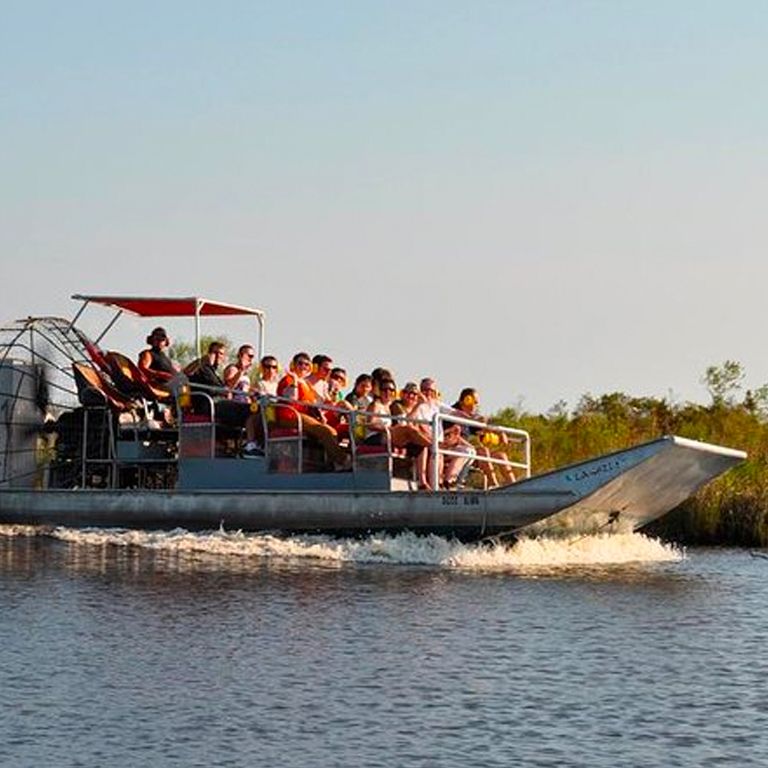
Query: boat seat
(121, 422)
(94, 390)
(131, 380)
(195, 418)
(382, 458)
(200, 435)
(286, 447)
(94, 352)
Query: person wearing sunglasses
(377, 425)
(237, 375)
(322, 365)
(408, 400)
(401, 435)
(448, 436)
(265, 384)
(269, 375)
(337, 381)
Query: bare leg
(403, 434)
(430, 468)
(486, 467)
(506, 471)
(421, 468)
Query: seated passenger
(269, 375)
(377, 376)
(336, 383)
(401, 435)
(318, 378)
(377, 426)
(360, 396)
(408, 400)
(295, 386)
(468, 405)
(204, 376)
(448, 435)
(155, 362)
(204, 372)
(236, 375)
(266, 384)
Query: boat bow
(625, 490)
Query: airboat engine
(21, 425)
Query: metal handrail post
(435, 451)
(528, 456)
(85, 448)
(198, 309)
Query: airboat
(87, 440)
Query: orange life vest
(304, 394)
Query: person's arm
(231, 375)
(145, 360)
(145, 366)
(289, 390)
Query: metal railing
(513, 436)
(516, 438)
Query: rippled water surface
(124, 648)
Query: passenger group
(373, 408)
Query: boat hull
(620, 491)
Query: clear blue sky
(540, 199)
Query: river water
(123, 648)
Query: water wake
(401, 549)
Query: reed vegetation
(731, 510)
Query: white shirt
(264, 387)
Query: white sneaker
(252, 451)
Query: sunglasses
(304, 363)
(387, 389)
(270, 365)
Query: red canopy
(148, 306)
